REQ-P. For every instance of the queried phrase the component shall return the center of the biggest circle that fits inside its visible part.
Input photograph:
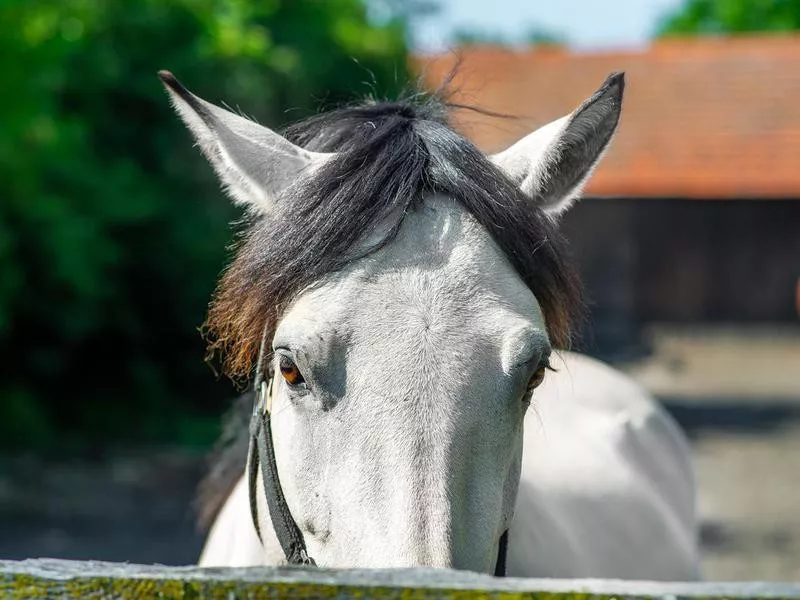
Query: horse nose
(432, 527)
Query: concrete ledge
(47, 578)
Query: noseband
(262, 454)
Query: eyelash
(538, 375)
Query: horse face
(400, 388)
(402, 374)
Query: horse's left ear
(254, 163)
(552, 164)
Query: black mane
(390, 155)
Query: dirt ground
(137, 507)
(750, 503)
(736, 391)
(131, 508)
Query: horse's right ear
(254, 163)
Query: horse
(406, 303)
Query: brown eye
(537, 378)
(290, 371)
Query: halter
(262, 453)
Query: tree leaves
(719, 17)
(112, 228)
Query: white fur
(415, 463)
(254, 164)
(232, 540)
(607, 484)
(528, 161)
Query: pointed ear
(552, 164)
(254, 163)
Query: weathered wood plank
(48, 578)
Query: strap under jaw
(502, 552)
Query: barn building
(693, 216)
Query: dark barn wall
(684, 261)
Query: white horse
(409, 291)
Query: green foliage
(718, 17)
(112, 228)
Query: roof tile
(703, 117)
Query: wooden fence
(47, 578)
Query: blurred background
(113, 232)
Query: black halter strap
(262, 454)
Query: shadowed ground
(133, 508)
(736, 391)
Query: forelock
(390, 156)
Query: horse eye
(289, 370)
(537, 378)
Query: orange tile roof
(702, 118)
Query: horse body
(607, 485)
(416, 290)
